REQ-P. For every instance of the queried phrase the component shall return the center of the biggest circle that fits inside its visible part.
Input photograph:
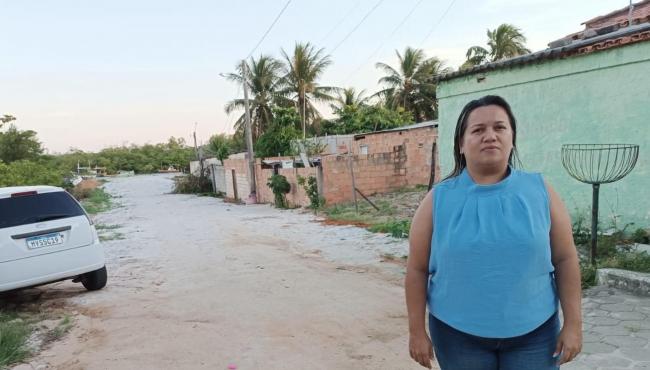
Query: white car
(46, 236)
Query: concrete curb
(637, 283)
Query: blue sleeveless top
(490, 267)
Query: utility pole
(198, 153)
(249, 134)
(304, 118)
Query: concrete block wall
(218, 177)
(240, 167)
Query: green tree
(219, 146)
(16, 145)
(412, 85)
(349, 97)
(6, 119)
(300, 83)
(506, 41)
(357, 120)
(262, 77)
(277, 140)
(23, 172)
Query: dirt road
(201, 284)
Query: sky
(93, 74)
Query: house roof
(640, 10)
(619, 37)
(433, 123)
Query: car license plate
(46, 240)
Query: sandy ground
(202, 284)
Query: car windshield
(29, 209)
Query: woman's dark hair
(461, 126)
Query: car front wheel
(94, 280)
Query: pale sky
(91, 74)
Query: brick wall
(394, 160)
(297, 195)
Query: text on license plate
(46, 240)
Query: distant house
(592, 86)
(195, 166)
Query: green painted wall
(603, 97)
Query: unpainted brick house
(380, 162)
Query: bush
(280, 186)
(641, 236)
(581, 230)
(28, 173)
(311, 188)
(191, 184)
(633, 261)
(588, 275)
(81, 193)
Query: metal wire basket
(597, 164)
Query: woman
(491, 253)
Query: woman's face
(487, 140)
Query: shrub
(588, 275)
(191, 184)
(28, 173)
(311, 188)
(280, 186)
(641, 236)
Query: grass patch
(97, 201)
(633, 261)
(111, 236)
(396, 228)
(14, 333)
(106, 227)
(379, 221)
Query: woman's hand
(421, 349)
(569, 344)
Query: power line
(437, 23)
(336, 26)
(269, 29)
(381, 45)
(357, 26)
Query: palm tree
(262, 79)
(412, 86)
(349, 97)
(302, 71)
(506, 41)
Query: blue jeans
(456, 350)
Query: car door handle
(40, 232)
